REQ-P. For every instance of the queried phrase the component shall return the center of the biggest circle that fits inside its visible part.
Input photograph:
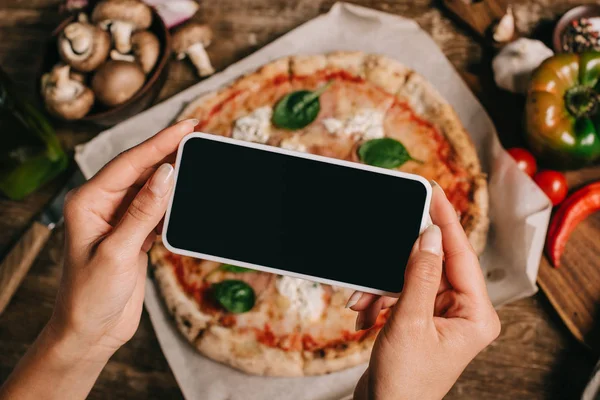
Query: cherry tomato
(525, 160)
(554, 184)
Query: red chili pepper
(573, 210)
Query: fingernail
(360, 321)
(162, 180)
(353, 299)
(193, 121)
(434, 184)
(431, 240)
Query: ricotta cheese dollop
(292, 144)
(254, 127)
(368, 123)
(304, 296)
(333, 125)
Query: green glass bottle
(30, 153)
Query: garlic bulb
(515, 63)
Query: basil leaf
(384, 153)
(234, 268)
(234, 295)
(298, 109)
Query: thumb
(423, 274)
(146, 210)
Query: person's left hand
(110, 224)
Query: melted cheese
(293, 144)
(254, 127)
(305, 297)
(333, 125)
(367, 123)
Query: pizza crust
(334, 359)
(351, 61)
(307, 65)
(199, 107)
(388, 74)
(426, 101)
(188, 317)
(246, 354)
(477, 224)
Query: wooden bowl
(143, 98)
(585, 11)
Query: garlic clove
(505, 30)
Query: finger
(461, 263)
(148, 242)
(133, 163)
(444, 284)
(160, 226)
(360, 301)
(388, 302)
(367, 318)
(423, 274)
(145, 211)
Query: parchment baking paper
(519, 211)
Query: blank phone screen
(295, 214)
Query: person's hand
(110, 225)
(441, 321)
(110, 222)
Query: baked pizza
(348, 105)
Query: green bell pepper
(563, 110)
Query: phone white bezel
(425, 220)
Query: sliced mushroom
(83, 46)
(65, 96)
(117, 81)
(191, 40)
(122, 17)
(146, 49)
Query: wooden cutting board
(574, 288)
(480, 16)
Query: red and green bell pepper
(563, 110)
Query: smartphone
(297, 214)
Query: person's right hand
(441, 321)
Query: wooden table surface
(535, 356)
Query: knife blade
(21, 257)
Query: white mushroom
(191, 40)
(65, 96)
(146, 49)
(83, 46)
(117, 81)
(115, 55)
(505, 30)
(122, 17)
